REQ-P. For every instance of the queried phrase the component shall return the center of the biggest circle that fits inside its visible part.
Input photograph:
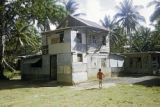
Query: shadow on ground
(150, 83)
(14, 84)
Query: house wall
(35, 73)
(116, 64)
(96, 61)
(64, 68)
(57, 48)
(64, 59)
(94, 42)
(81, 71)
(143, 66)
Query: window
(94, 39)
(45, 49)
(61, 36)
(79, 38)
(37, 64)
(54, 40)
(104, 40)
(79, 57)
(131, 62)
(103, 62)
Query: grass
(118, 96)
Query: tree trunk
(2, 2)
(1, 56)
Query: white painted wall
(116, 61)
(79, 77)
(73, 39)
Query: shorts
(100, 81)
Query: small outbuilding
(142, 63)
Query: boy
(100, 76)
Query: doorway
(53, 67)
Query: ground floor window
(79, 57)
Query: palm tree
(156, 13)
(142, 40)
(128, 16)
(108, 23)
(115, 34)
(72, 7)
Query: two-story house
(73, 52)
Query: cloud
(97, 9)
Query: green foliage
(18, 35)
(118, 40)
(142, 40)
(156, 14)
(128, 15)
(72, 7)
(8, 74)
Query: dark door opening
(53, 67)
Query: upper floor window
(57, 38)
(104, 40)
(94, 39)
(79, 37)
(61, 37)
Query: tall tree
(128, 16)
(2, 28)
(72, 8)
(108, 23)
(156, 14)
(43, 12)
(116, 34)
(142, 40)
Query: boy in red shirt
(100, 76)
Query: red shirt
(100, 75)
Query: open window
(104, 40)
(37, 64)
(45, 49)
(79, 38)
(61, 37)
(79, 57)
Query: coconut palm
(116, 37)
(128, 17)
(156, 13)
(142, 40)
(110, 25)
(72, 7)
(107, 22)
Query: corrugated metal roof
(90, 23)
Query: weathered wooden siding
(145, 66)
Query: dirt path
(109, 82)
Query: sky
(97, 9)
